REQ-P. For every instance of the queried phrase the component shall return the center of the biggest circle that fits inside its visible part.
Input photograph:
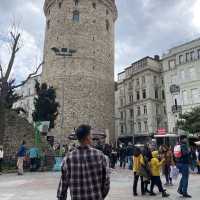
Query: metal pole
(62, 110)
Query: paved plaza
(43, 186)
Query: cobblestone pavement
(42, 186)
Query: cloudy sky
(144, 27)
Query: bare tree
(14, 44)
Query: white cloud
(143, 28)
(26, 59)
(196, 15)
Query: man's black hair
(82, 132)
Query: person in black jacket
(183, 166)
(129, 153)
(122, 156)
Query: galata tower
(79, 62)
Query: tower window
(94, 5)
(107, 12)
(138, 95)
(76, 2)
(59, 5)
(144, 93)
(48, 24)
(156, 93)
(107, 25)
(76, 16)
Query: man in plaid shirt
(84, 171)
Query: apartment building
(181, 71)
(140, 100)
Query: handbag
(174, 172)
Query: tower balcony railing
(174, 89)
(176, 109)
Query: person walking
(85, 171)
(129, 153)
(1, 158)
(122, 156)
(34, 158)
(198, 160)
(168, 156)
(113, 158)
(183, 166)
(137, 163)
(21, 154)
(193, 159)
(147, 159)
(156, 165)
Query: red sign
(161, 131)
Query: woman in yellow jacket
(155, 172)
(137, 163)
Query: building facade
(27, 93)
(181, 69)
(140, 99)
(84, 78)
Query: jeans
(184, 170)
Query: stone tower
(85, 79)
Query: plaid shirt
(85, 172)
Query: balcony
(174, 89)
(176, 109)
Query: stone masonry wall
(16, 130)
(84, 81)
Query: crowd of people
(149, 165)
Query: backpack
(177, 151)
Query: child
(155, 170)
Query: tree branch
(12, 57)
(29, 76)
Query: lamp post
(116, 119)
(64, 53)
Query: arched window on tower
(76, 2)
(60, 4)
(76, 16)
(94, 5)
(48, 24)
(107, 25)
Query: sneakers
(187, 196)
(180, 192)
(164, 194)
(152, 194)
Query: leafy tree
(190, 121)
(46, 107)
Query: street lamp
(64, 53)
